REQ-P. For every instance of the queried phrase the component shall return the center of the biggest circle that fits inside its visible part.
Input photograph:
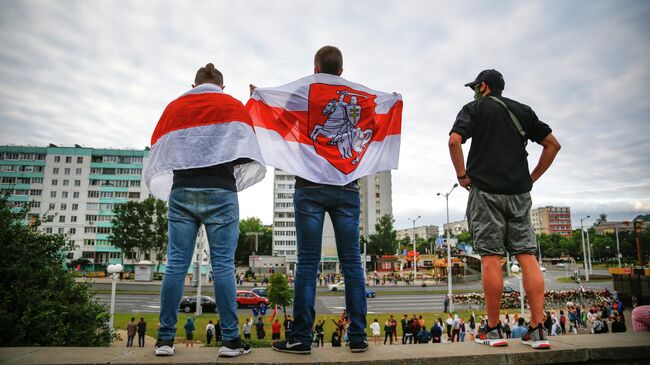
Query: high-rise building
(423, 232)
(375, 193)
(552, 220)
(76, 188)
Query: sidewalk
(619, 348)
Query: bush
(40, 303)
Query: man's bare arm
(457, 158)
(551, 148)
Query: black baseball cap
(491, 77)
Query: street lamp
(618, 248)
(415, 269)
(515, 270)
(114, 270)
(451, 302)
(584, 251)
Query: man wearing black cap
(499, 182)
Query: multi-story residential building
(552, 220)
(423, 232)
(76, 188)
(455, 228)
(376, 201)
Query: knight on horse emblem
(341, 126)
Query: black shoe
(234, 348)
(164, 347)
(292, 348)
(359, 346)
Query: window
(35, 192)
(37, 180)
(55, 182)
(72, 231)
(52, 194)
(77, 171)
(48, 230)
(77, 183)
(64, 194)
(64, 206)
(55, 171)
(93, 194)
(73, 218)
(60, 230)
(89, 230)
(75, 195)
(68, 159)
(57, 158)
(134, 195)
(135, 183)
(80, 159)
(52, 206)
(34, 204)
(61, 219)
(75, 206)
(66, 182)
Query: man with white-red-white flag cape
(329, 132)
(203, 151)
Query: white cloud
(100, 73)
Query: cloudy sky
(99, 73)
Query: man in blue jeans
(203, 152)
(311, 201)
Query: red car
(250, 299)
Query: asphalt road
(383, 303)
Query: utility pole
(415, 253)
(199, 261)
(256, 234)
(451, 302)
(584, 251)
(618, 248)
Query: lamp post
(114, 270)
(515, 270)
(584, 251)
(618, 248)
(451, 302)
(589, 251)
(415, 265)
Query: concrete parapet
(620, 348)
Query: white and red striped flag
(203, 127)
(326, 129)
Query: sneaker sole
(162, 351)
(300, 352)
(359, 350)
(228, 352)
(541, 345)
(492, 343)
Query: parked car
(542, 268)
(249, 299)
(561, 265)
(188, 304)
(370, 293)
(338, 286)
(261, 291)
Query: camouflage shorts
(500, 223)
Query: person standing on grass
(142, 330)
(393, 326)
(189, 332)
(499, 184)
(388, 331)
(130, 332)
(288, 325)
(259, 328)
(472, 328)
(436, 332)
(276, 329)
(320, 333)
(376, 331)
(209, 332)
(404, 323)
(247, 329)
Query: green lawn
(122, 319)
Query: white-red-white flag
(203, 127)
(326, 129)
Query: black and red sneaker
(492, 336)
(536, 338)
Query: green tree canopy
(279, 292)
(40, 303)
(246, 243)
(384, 240)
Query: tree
(140, 227)
(384, 240)
(465, 237)
(279, 292)
(40, 303)
(246, 244)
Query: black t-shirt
(497, 161)
(218, 176)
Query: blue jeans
(218, 210)
(343, 205)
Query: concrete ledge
(620, 348)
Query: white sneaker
(164, 347)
